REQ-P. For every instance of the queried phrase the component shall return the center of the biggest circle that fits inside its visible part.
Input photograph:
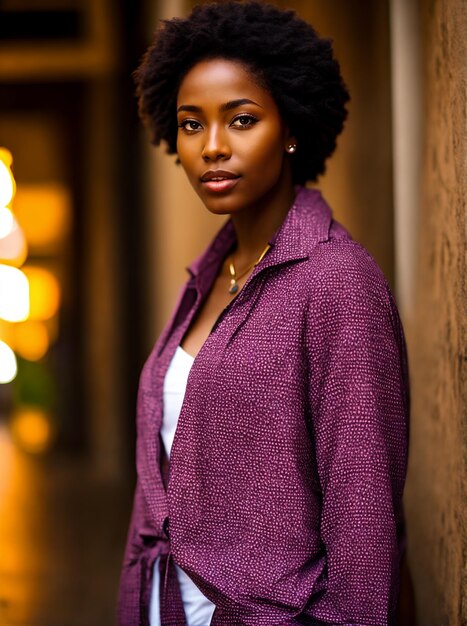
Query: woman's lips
(219, 186)
(219, 180)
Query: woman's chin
(221, 205)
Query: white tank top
(198, 609)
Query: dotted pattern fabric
(284, 501)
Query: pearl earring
(291, 148)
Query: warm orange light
(7, 182)
(44, 212)
(44, 293)
(31, 340)
(32, 429)
(7, 332)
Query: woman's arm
(359, 398)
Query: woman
(283, 368)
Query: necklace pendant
(233, 286)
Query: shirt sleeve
(359, 403)
(128, 602)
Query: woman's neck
(255, 226)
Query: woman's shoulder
(344, 281)
(344, 263)
(333, 255)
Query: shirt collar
(306, 224)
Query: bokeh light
(13, 245)
(7, 222)
(31, 340)
(8, 365)
(7, 182)
(32, 429)
(14, 294)
(44, 212)
(44, 292)
(7, 332)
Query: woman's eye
(244, 121)
(190, 125)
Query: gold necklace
(234, 277)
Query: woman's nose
(216, 146)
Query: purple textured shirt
(287, 469)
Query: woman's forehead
(222, 80)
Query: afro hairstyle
(283, 52)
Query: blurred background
(96, 228)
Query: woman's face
(231, 138)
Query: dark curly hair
(282, 51)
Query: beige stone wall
(435, 495)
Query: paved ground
(61, 541)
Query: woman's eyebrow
(233, 104)
(227, 106)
